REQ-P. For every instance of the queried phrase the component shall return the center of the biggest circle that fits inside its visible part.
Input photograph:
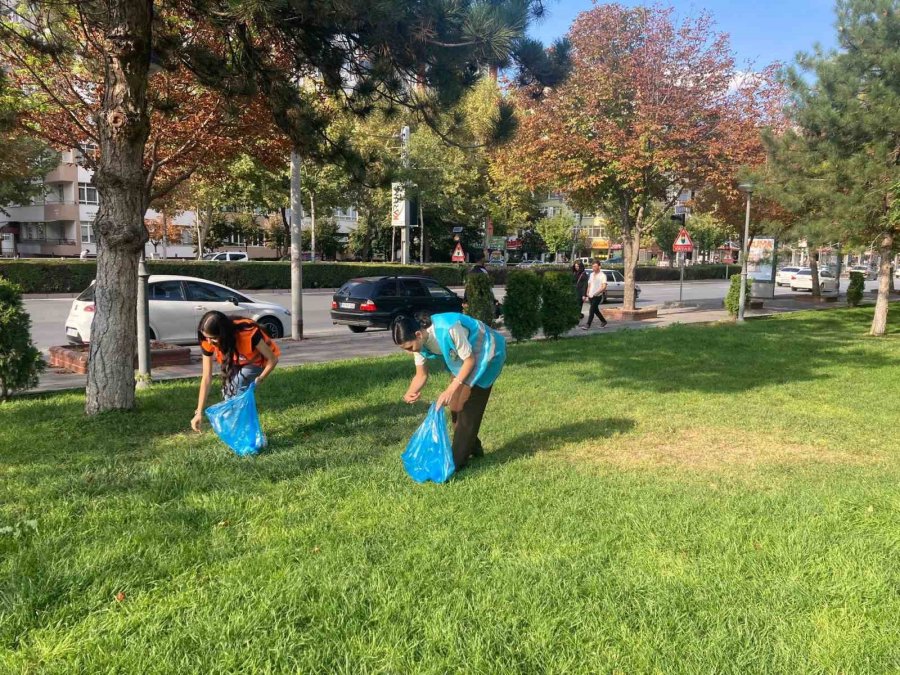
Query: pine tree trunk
(814, 267)
(123, 125)
(312, 221)
(879, 321)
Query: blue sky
(761, 31)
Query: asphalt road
(48, 315)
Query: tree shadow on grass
(543, 440)
(716, 359)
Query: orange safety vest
(245, 331)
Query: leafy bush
(480, 298)
(559, 314)
(856, 288)
(733, 299)
(20, 360)
(522, 306)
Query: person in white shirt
(595, 290)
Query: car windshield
(357, 288)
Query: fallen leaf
(120, 596)
(315, 549)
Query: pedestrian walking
(244, 351)
(595, 291)
(472, 352)
(581, 284)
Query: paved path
(346, 345)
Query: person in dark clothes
(595, 293)
(472, 352)
(581, 284)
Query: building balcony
(48, 247)
(63, 173)
(61, 211)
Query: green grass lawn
(695, 499)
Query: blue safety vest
(488, 347)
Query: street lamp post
(746, 188)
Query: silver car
(176, 305)
(615, 286)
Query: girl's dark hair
(404, 327)
(219, 326)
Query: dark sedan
(374, 302)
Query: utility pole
(405, 234)
(296, 241)
(747, 188)
(144, 375)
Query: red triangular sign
(683, 242)
(458, 255)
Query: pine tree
(847, 120)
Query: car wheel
(357, 329)
(272, 326)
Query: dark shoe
(478, 451)
(603, 325)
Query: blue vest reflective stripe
(488, 347)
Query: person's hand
(195, 423)
(446, 395)
(411, 396)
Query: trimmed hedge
(522, 306)
(733, 298)
(856, 289)
(73, 276)
(559, 313)
(480, 298)
(60, 276)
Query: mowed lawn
(695, 499)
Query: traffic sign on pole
(458, 254)
(683, 242)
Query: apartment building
(60, 223)
(57, 223)
(591, 225)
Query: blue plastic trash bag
(428, 455)
(237, 423)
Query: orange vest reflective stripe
(246, 354)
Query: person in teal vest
(472, 352)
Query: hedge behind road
(73, 276)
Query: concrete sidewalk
(325, 348)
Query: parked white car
(176, 305)
(783, 277)
(615, 286)
(868, 273)
(801, 280)
(227, 256)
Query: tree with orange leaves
(650, 108)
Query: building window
(35, 231)
(89, 150)
(87, 233)
(87, 194)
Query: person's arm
(417, 384)
(205, 382)
(271, 360)
(468, 365)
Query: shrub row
(68, 276)
(73, 277)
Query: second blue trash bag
(428, 455)
(237, 422)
